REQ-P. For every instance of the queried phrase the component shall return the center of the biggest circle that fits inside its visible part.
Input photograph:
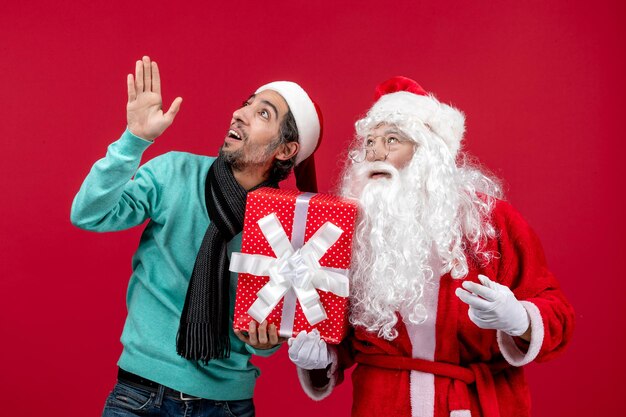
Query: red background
(542, 84)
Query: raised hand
(493, 306)
(144, 113)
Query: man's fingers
(485, 292)
(252, 333)
(130, 84)
(147, 74)
(273, 334)
(241, 336)
(472, 300)
(262, 333)
(262, 336)
(156, 78)
(171, 113)
(139, 76)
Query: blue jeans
(128, 400)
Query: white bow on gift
(296, 269)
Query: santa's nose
(378, 152)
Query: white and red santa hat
(309, 122)
(400, 98)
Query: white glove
(309, 351)
(493, 306)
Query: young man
(450, 294)
(180, 353)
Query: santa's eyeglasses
(390, 142)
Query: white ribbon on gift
(293, 269)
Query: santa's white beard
(415, 225)
(392, 251)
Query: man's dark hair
(288, 132)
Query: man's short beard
(238, 160)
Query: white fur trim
(460, 413)
(509, 349)
(445, 121)
(303, 110)
(422, 394)
(423, 338)
(319, 393)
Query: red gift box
(294, 260)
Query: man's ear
(287, 150)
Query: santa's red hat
(308, 119)
(400, 98)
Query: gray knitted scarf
(203, 333)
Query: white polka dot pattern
(322, 208)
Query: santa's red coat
(450, 337)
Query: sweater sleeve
(264, 353)
(524, 269)
(110, 198)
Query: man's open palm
(144, 111)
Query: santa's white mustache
(366, 170)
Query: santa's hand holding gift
(450, 291)
(309, 351)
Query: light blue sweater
(168, 190)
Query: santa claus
(450, 291)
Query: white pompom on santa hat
(404, 96)
(309, 122)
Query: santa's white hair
(436, 209)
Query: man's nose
(241, 114)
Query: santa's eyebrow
(393, 131)
(386, 132)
